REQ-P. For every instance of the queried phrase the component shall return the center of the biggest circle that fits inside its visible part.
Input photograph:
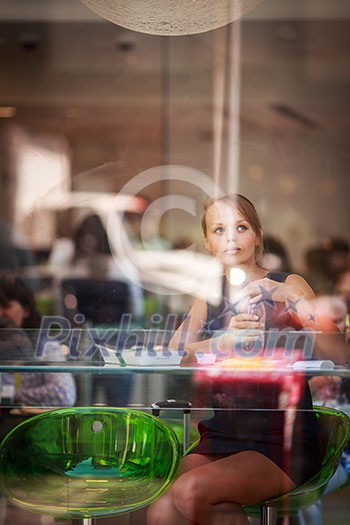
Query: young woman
(240, 458)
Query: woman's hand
(267, 289)
(245, 321)
(294, 293)
(242, 329)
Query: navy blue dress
(237, 430)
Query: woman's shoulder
(294, 280)
(280, 277)
(300, 284)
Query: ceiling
(73, 10)
(120, 96)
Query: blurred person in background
(317, 271)
(93, 258)
(329, 272)
(92, 268)
(20, 323)
(325, 389)
(17, 305)
(342, 287)
(275, 257)
(330, 391)
(325, 263)
(338, 256)
(14, 344)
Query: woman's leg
(212, 492)
(163, 510)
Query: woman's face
(15, 311)
(230, 237)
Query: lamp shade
(171, 17)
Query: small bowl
(205, 359)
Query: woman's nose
(231, 235)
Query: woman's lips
(232, 251)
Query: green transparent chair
(86, 463)
(337, 425)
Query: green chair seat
(337, 425)
(88, 462)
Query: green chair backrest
(337, 425)
(88, 462)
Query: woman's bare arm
(298, 297)
(329, 341)
(188, 336)
(303, 305)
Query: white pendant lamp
(171, 17)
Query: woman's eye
(219, 231)
(242, 228)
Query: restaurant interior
(116, 123)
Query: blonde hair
(246, 208)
